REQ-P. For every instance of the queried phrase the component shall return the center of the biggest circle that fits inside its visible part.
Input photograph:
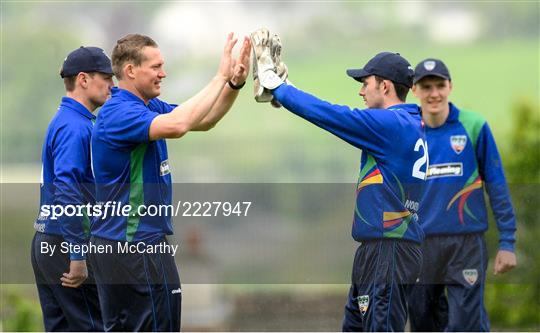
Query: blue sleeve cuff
(76, 254)
(279, 92)
(507, 246)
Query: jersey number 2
(416, 172)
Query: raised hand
(227, 63)
(241, 68)
(269, 71)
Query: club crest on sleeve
(470, 275)
(429, 65)
(363, 303)
(458, 143)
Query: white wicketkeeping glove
(266, 51)
(281, 69)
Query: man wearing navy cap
(464, 162)
(67, 301)
(392, 173)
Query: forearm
(321, 113)
(503, 212)
(220, 108)
(73, 227)
(345, 123)
(194, 110)
(491, 170)
(188, 115)
(231, 70)
(74, 233)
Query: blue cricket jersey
(463, 162)
(130, 169)
(393, 161)
(66, 175)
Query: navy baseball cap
(388, 65)
(86, 59)
(431, 67)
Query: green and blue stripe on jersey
(393, 160)
(464, 161)
(128, 168)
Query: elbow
(176, 135)
(206, 126)
(179, 130)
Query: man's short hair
(69, 82)
(401, 90)
(129, 49)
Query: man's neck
(391, 102)
(436, 120)
(84, 101)
(126, 85)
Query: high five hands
(234, 70)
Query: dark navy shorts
(64, 309)
(383, 274)
(138, 291)
(449, 295)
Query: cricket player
(67, 302)
(394, 161)
(464, 162)
(141, 291)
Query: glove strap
(236, 87)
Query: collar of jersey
(70, 103)
(409, 107)
(126, 95)
(453, 114)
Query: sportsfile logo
(445, 170)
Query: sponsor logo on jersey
(363, 303)
(470, 275)
(176, 291)
(164, 168)
(39, 227)
(429, 65)
(445, 170)
(458, 143)
(412, 205)
(42, 216)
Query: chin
(153, 94)
(434, 111)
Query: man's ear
(82, 80)
(381, 85)
(387, 87)
(129, 70)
